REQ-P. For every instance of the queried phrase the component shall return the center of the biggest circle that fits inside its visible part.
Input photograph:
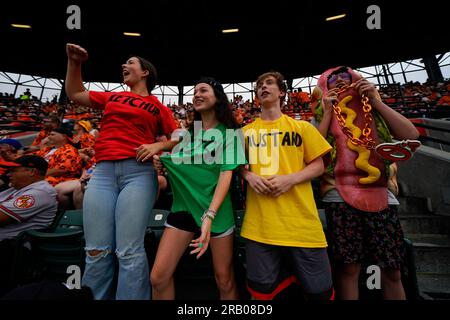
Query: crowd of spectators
(413, 98)
(26, 112)
(410, 99)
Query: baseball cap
(28, 161)
(86, 125)
(12, 142)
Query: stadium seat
(153, 234)
(70, 219)
(21, 261)
(54, 251)
(157, 220)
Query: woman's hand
(76, 53)
(201, 243)
(146, 151)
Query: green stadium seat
(55, 250)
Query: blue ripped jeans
(116, 209)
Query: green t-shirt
(194, 168)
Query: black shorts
(271, 268)
(357, 236)
(184, 221)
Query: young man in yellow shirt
(281, 218)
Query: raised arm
(401, 128)
(327, 106)
(74, 84)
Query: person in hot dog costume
(362, 220)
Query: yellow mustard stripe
(362, 162)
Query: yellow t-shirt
(281, 147)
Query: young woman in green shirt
(200, 170)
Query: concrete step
(412, 205)
(432, 253)
(425, 224)
(434, 286)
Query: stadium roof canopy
(184, 39)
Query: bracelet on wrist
(211, 214)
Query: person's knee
(159, 278)
(97, 254)
(349, 270)
(131, 257)
(94, 253)
(261, 291)
(225, 281)
(391, 275)
(268, 291)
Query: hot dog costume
(358, 173)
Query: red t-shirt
(129, 120)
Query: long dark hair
(222, 106)
(152, 77)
